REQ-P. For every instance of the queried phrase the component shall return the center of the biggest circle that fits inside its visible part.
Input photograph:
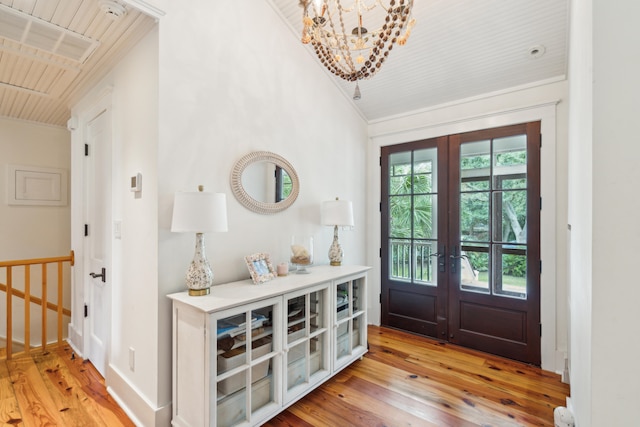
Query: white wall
(580, 211)
(238, 81)
(33, 231)
(616, 227)
(509, 107)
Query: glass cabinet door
(247, 358)
(306, 343)
(350, 321)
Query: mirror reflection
(266, 182)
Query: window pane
(510, 263)
(474, 184)
(400, 173)
(474, 217)
(510, 216)
(424, 218)
(475, 155)
(424, 170)
(511, 182)
(474, 268)
(400, 184)
(400, 259)
(422, 184)
(400, 216)
(510, 151)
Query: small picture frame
(260, 267)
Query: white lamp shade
(199, 212)
(337, 212)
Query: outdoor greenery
(413, 189)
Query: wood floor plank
(9, 410)
(405, 379)
(493, 369)
(92, 386)
(396, 403)
(73, 404)
(478, 382)
(35, 403)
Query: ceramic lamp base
(199, 274)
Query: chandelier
(359, 53)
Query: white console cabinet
(245, 352)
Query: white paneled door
(98, 238)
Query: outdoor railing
(26, 295)
(402, 260)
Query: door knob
(103, 275)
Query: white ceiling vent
(40, 34)
(112, 8)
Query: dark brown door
(461, 239)
(414, 230)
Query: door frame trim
(85, 111)
(552, 358)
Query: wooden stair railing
(26, 296)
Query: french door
(461, 239)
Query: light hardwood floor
(51, 388)
(403, 380)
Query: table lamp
(199, 212)
(337, 213)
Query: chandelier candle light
(199, 212)
(338, 213)
(325, 24)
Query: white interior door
(98, 238)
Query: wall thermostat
(136, 182)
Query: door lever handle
(442, 264)
(103, 275)
(454, 258)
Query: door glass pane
(493, 209)
(426, 261)
(400, 173)
(296, 365)
(296, 319)
(475, 156)
(413, 221)
(509, 151)
(475, 268)
(510, 267)
(510, 216)
(400, 216)
(316, 361)
(401, 266)
(356, 335)
(474, 217)
(478, 183)
(511, 182)
(424, 220)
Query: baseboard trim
(74, 339)
(135, 405)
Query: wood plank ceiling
(47, 69)
(458, 49)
